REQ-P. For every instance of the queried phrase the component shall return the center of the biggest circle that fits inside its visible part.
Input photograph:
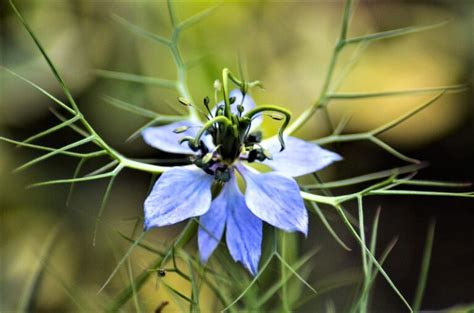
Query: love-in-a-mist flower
(220, 150)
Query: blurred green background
(286, 45)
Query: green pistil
(216, 120)
(273, 108)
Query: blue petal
(212, 225)
(164, 139)
(299, 157)
(275, 199)
(247, 102)
(180, 193)
(244, 229)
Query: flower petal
(275, 199)
(164, 139)
(299, 157)
(212, 225)
(247, 102)
(244, 229)
(180, 193)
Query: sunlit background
(286, 45)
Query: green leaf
(253, 282)
(368, 177)
(350, 65)
(53, 153)
(360, 209)
(184, 237)
(53, 129)
(195, 288)
(28, 297)
(47, 59)
(105, 198)
(60, 103)
(274, 288)
(121, 261)
(392, 151)
(141, 111)
(75, 175)
(342, 124)
(135, 295)
(143, 245)
(364, 95)
(404, 117)
(328, 226)
(363, 300)
(172, 14)
(135, 78)
(371, 256)
(384, 256)
(432, 183)
(193, 20)
(394, 33)
(129, 107)
(425, 266)
(346, 17)
(292, 270)
(74, 127)
(343, 278)
(72, 180)
(140, 31)
(178, 293)
(102, 168)
(44, 148)
(423, 193)
(373, 238)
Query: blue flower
(208, 188)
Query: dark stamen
(206, 102)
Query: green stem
(141, 166)
(332, 201)
(283, 272)
(185, 236)
(322, 99)
(425, 266)
(348, 224)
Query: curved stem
(274, 108)
(218, 119)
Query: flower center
(226, 136)
(223, 142)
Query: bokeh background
(287, 45)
